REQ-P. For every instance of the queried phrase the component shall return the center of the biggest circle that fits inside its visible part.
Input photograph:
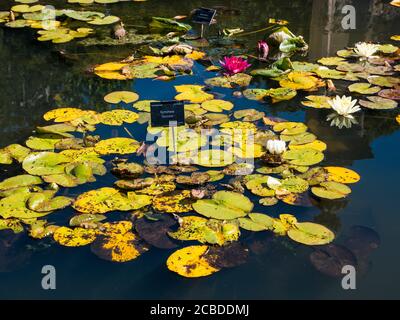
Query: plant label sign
(167, 113)
(203, 15)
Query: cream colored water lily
(344, 106)
(365, 50)
(276, 146)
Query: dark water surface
(34, 78)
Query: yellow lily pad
(121, 96)
(189, 262)
(76, 237)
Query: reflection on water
(36, 77)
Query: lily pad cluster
(53, 23)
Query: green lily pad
(330, 74)
(281, 94)
(249, 115)
(104, 20)
(318, 102)
(224, 205)
(299, 139)
(378, 103)
(303, 157)
(290, 128)
(331, 61)
(237, 80)
(255, 94)
(389, 82)
(45, 163)
(363, 88)
(43, 142)
(331, 190)
(388, 48)
(166, 25)
(45, 201)
(311, 234)
(22, 180)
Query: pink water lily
(233, 65)
(263, 49)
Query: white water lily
(344, 106)
(365, 50)
(276, 146)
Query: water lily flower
(344, 106)
(233, 65)
(276, 146)
(365, 50)
(263, 49)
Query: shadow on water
(35, 77)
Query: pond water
(36, 77)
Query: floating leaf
(331, 61)
(46, 202)
(331, 190)
(303, 157)
(74, 237)
(217, 105)
(85, 218)
(311, 234)
(224, 205)
(116, 242)
(205, 231)
(363, 88)
(45, 163)
(255, 94)
(316, 145)
(121, 96)
(268, 201)
(387, 48)
(281, 94)
(330, 74)
(378, 103)
(166, 25)
(258, 185)
(144, 105)
(237, 80)
(290, 128)
(109, 199)
(342, 175)
(117, 117)
(249, 115)
(229, 256)
(393, 94)
(318, 102)
(104, 21)
(299, 81)
(66, 114)
(193, 93)
(116, 146)
(389, 82)
(22, 180)
(173, 203)
(190, 262)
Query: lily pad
(311, 234)
(121, 96)
(378, 103)
(363, 88)
(224, 205)
(192, 93)
(318, 102)
(303, 157)
(189, 262)
(331, 190)
(237, 80)
(76, 237)
(116, 242)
